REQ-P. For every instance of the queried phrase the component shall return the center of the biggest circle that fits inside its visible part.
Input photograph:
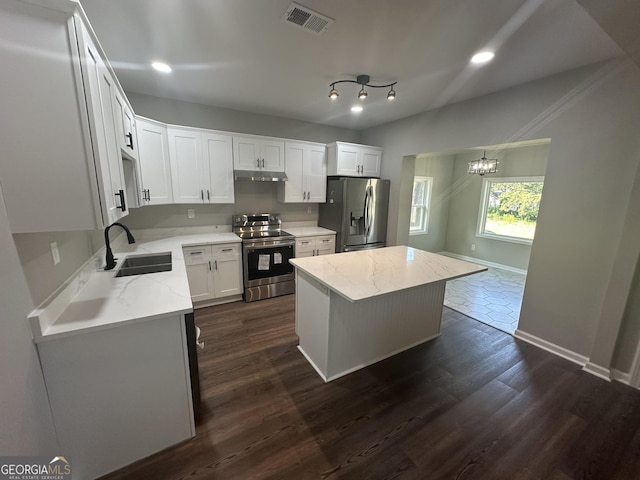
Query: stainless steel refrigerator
(356, 209)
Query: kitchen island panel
(338, 336)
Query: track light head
(333, 93)
(392, 94)
(362, 94)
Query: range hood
(260, 176)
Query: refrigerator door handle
(366, 212)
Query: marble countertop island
(357, 308)
(365, 274)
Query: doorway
(481, 219)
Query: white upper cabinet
(218, 153)
(100, 90)
(306, 169)
(354, 160)
(155, 168)
(125, 126)
(201, 166)
(255, 153)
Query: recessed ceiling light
(482, 57)
(161, 67)
(356, 108)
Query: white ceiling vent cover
(307, 19)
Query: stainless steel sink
(145, 263)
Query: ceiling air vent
(307, 19)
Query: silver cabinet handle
(263, 163)
(201, 194)
(227, 249)
(209, 265)
(304, 242)
(258, 160)
(199, 252)
(208, 195)
(215, 264)
(325, 241)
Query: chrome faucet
(110, 261)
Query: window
(420, 201)
(509, 208)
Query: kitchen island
(357, 308)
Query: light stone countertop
(308, 231)
(95, 299)
(363, 274)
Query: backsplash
(250, 197)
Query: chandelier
(483, 165)
(363, 81)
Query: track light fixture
(363, 81)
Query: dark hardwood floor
(474, 403)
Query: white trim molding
(552, 347)
(598, 371)
(484, 262)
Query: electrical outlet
(55, 253)
(473, 247)
(308, 209)
(191, 213)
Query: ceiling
(240, 54)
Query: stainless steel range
(266, 250)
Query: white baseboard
(598, 371)
(552, 347)
(622, 377)
(484, 262)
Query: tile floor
(493, 297)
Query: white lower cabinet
(120, 394)
(315, 246)
(214, 273)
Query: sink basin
(145, 263)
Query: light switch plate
(55, 253)
(191, 213)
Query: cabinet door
(125, 126)
(227, 271)
(155, 168)
(316, 174)
(272, 154)
(188, 171)
(100, 91)
(294, 188)
(246, 154)
(218, 158)
(129, 124)
(199, 265)
(370, 162)
(348, 161)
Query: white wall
(440, 168)
(592, 116)
(465, 200)
(25, 419)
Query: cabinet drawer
(325, 241)
(196, 254)
(226, 251)
(305, 244)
